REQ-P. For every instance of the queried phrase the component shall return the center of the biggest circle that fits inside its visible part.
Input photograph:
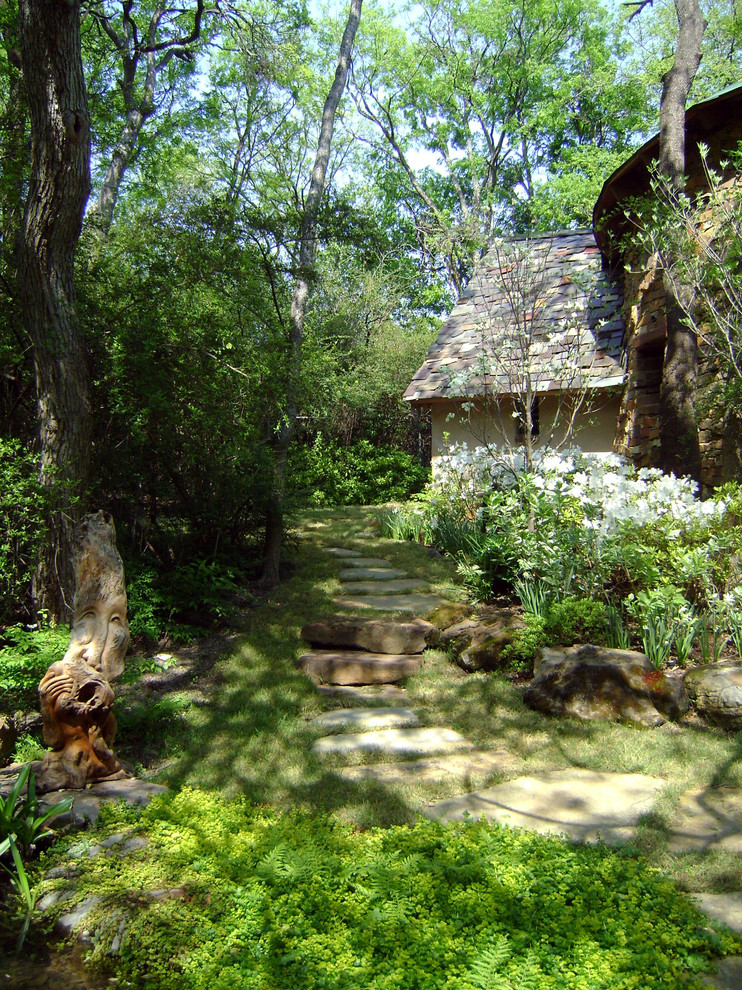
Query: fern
(484, 972)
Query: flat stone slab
(728, 974)
(359, 560)
(371, 633)
(364, 719)
(86, 804)
(366, 693)
(376, 587)
(392, 603)
(707, 819)
(433, 768)
(722, 907)
(342, 552)
(397, 742)
(582, 804)
(370, 573)
(358, 667)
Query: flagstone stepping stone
(361, 561)
(373, 634)
(395, 742)
(433, 768)
(376, 587)
(370, 573)
(365, 719)
(392, 603)
(358, 667)
(366, 693)
(707, 819)
(342, 552)
(722, 907)
(728, 974)
(582, 804)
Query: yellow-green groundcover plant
(248, 897)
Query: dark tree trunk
(679, 445)
(307, 250)
(58, 191)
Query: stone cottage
(611, 300)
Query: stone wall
(637, 431)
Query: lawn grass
(253, 737)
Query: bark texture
(679, 444)
(58, 191)
(302, 287)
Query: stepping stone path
(372, 583)
(364, 659)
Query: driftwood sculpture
(76, 694)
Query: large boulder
(375, 635)
(593, 683)
(477, 643)
(716, 691)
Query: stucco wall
(594, 427)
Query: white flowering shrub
(584, 525)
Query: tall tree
(300, 296)
(487, 95)
(679, 444)
(145, 43)
(59, 186)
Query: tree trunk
(679, 444)
(302, 287)
(58, 191)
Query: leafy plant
(361, 474)
(657, 611)
(22, 523)
(25, 656)
(21, 828)
(20, 883)
(617, 635)
(21, 816)
(576, 620)
(533, 595)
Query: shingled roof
(578, 302)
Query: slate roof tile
(577, 300)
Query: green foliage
(362, 474)
(519, 654)
(21, 815)
(277, 900)
(21, 828)
(25, 656)
(22, 524)
(658, 612)
(576, 620)
(179, 602)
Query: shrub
(25, 656)
(518, 655)
(576, 620)
(180, 602)
(362, 474)
(22, 524)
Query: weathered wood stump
(76, 694)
